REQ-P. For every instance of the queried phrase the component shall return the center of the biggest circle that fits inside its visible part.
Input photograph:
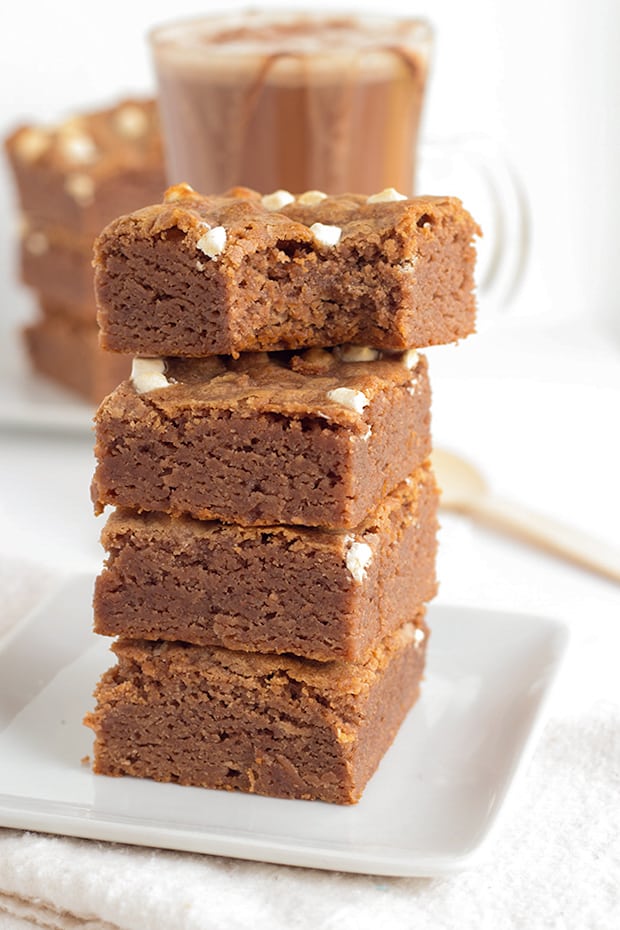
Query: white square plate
(427, 811)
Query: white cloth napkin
(555, 863)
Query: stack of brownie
(71, 179)
(272, 548)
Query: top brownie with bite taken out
(197, 275)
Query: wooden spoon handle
(548, 533)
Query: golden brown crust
(280, 383)
(392, 228)
(336, 680)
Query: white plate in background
(428, 810)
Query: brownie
(320, 595)
(58, 266)
(90, 168)
(310, 438)
(73, 312)
(206, 275)
(67, 351)
(273, 725)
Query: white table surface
(538, 409)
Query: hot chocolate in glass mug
(303, 101)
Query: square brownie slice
(198, 276)
(83, 172)
(316, 594)
(271, 725)
(316, 438)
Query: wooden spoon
(464, 489)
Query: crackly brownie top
(95, 144)
(165, 661)
(335, 384)
(230, 226)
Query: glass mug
(318, 101)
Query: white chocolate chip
(344, 737)
(419, 636)
(178, 192)
(326, 235)
(36, 243)
(31, 143)
(131, 121)
(200, 265)
(411, 388)
(348, 397)
(388, 195)
(410, 359)
(78, 148)
(358, 558)
(147, 374)
(367, 434)
(277, 200)
(82, 188)
(213, 242)
(358, 354)
(311, 198)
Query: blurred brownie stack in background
(71, 180)
(272, 548)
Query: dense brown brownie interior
(271, 589)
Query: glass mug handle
(476, 170)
